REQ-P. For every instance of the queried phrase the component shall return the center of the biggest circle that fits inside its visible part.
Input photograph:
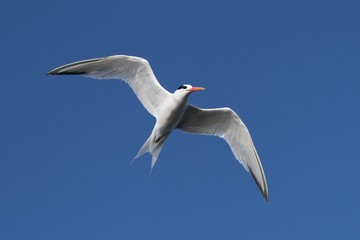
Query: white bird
(172, 111)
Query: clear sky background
(290, 69)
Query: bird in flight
(172, 110)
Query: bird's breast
(169, 116)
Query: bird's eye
(182, 87)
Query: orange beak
(193, 89)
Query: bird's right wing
(225, 123)
(133, 70)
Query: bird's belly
(168, 119)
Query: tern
(172, 110)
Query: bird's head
(186, 89)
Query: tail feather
(155, 152)
(154, 148)
(145, 148)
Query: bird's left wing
(225, 123)
(134, 71)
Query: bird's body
(170, 114)
(172, 111)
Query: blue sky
(290, 69)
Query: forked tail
(153, 147)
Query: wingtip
(266, 196)
(66, 72)
(55, 71)
(262, 187)
(265, 192)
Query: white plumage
(172, 110)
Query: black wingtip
(54, 72)
(74, 68)
(264, 192)
(59, 72)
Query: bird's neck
(180, 98)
